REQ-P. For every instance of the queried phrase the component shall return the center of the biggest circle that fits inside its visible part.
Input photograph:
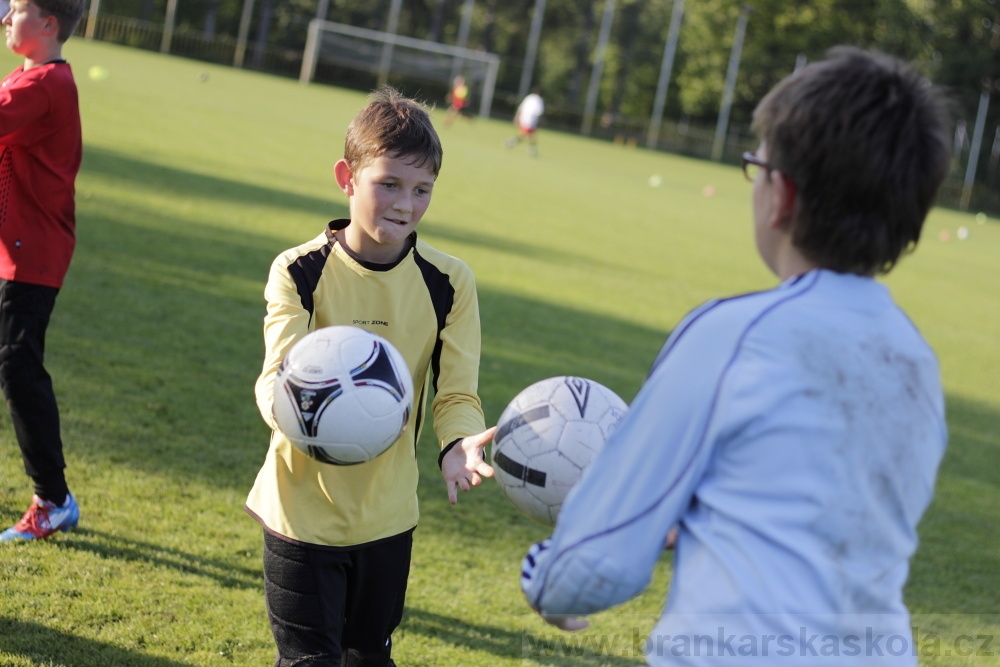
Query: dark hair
(395, 125)
(67, 12)
(864, 139)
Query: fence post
(663, 84)
(92, 19)
(241, 38)
(727, 93)
(590, 106)
(168, 26)
(463, 36)
(322, 9)
(528, 69)
(309, 54)
(385, 62)
(977, 138)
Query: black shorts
(333, 607)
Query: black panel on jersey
(442, 295)
(418, 419)
(306, 271)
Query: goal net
(384, 53)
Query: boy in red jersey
(40, 153)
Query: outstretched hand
(567, 623)
(671, 541)
(465, 465)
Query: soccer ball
(343, 395)
(547, 436)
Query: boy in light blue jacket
(791, 436)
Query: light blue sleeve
(613, 526)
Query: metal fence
(193, 44)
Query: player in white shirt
(791, 436)
(528, 113)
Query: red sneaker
(44, 519)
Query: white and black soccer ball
(547, 436)
(343, 395)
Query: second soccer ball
(547, 436)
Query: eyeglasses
(752, 166)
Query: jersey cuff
(447, 448)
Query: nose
(404, 202)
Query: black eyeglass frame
(750, 158)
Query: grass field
(189, 189)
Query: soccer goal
(385, 53)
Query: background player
(458, 100)
(528, 113)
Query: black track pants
(335, 607)
(25, 310)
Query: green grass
(188, 191)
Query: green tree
(778, 34)
(964, 50)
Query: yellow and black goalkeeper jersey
(426, 306)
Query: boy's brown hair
(393, 125)
(67, 12)
(864, 139)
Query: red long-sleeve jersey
(41, 148)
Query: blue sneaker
(44, 519)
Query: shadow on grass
(115, 547)
(189, 184)
(555, 648)
(42, 646)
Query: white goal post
(386, 53)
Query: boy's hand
(567, 623)
(465, 465)
(671, 538)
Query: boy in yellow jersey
(458, 100)
(337, 539)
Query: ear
(50, 25)
(344, 176)
(785, 193)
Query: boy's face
(388, 198)
(28, 31)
